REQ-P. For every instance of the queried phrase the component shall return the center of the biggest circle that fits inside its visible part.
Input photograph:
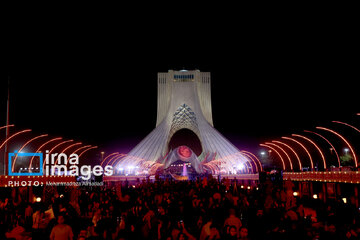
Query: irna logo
(60, 165)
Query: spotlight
(38, 199)
(315, 196)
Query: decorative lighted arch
(337, 155)
(282, 160)
(347, 143)
(14, 135)
(7, 126)
(80, 148)
(299, 161)
(113, 158)
(82, 153)
(23, 146)
(257, 159)
(47, 142)
(111, 154)
(287, 155)
(346, 124)
(249, 156)
(56, 146)
(308, 153)
(70, 146)
(316, 146)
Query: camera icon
(20, 154)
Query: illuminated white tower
(184, 101)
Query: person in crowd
(18, 232)
(232, 220)
(214, 233)
(61, 231)
(243, 233)
(39, 224)
(231, 233)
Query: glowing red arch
(287, 155)
(251, 158)
(23, 146)
(112, 159)
(284, 144)
(47, 142)
(347, 143)
(316, 146)
(70, 146)
(111, 154)
(308, 153)
(82, 153)
(282, 160)
(57, 145)
(257, 159)
(346, 124)
(337, 155)
(14, 135)
(7, 126)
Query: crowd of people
(206, 209)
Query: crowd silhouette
(204, 209)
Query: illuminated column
(311, 190)
(324, 192)
(338, 190)
(356, 193)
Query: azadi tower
(184, 102)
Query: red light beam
(257, 159)
(287, 155)
(346, 124)
(82, 153)
(114, 153)
(282, 160)
(70, 146)
(23, 146)
(47, 142)
(14, 135)
(311, 161)
(316, 146)
(7, 126)
(80, 148)
(337, 155)
(57, 145)
(300, 166)
(347, 143)
(249, 156)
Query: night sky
(98, 85)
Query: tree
(346, 160)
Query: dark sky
(98, 84)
